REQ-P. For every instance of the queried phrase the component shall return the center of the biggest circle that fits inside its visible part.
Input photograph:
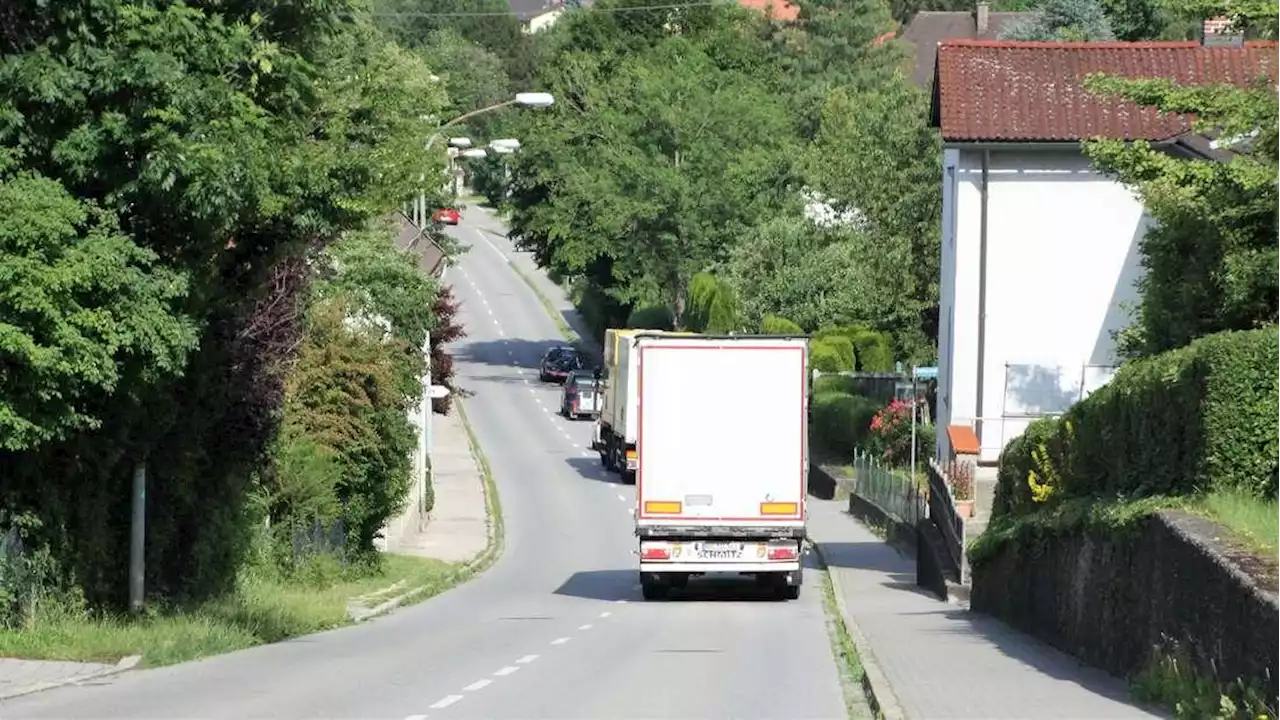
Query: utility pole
(137, 538)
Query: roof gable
(930, 27)
(1033, 91)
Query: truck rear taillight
(783, 553)
(655, 553)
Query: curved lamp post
(534, 100)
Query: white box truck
(722, 441)
(615, 432)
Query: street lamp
(525, 99)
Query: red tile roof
(782, 10)
(1033, 91)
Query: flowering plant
(891, 431)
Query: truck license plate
(719, 550)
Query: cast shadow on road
(614, 585)
(591, 469)
(524, 352)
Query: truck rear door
(722, 430)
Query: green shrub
(1013, 494)
(713, 308)
(835, 383)
(841, 421)
(776, 325)
(1183, 422)
(836, 352)
(874, 351)
(653, 317)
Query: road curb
(126, 663)
(880, 694)
(494, 524)
(493, 508)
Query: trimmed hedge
(1179, 423)
(777, 325)
(831, 353)
(841, 421)
(874, 351)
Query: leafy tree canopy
(1211, 264)
(1063, 20)
(659, 155)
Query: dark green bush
(1013, 494)
(841, 421)
(653, 317)
(1182, 422)
(835, 383)
(874, 351)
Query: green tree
(1211, 261)
(875, 155)
(227, 145)
(658, 156)
(1065, 21)
(85, 311)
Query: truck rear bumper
(706, 567)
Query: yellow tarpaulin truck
(615, 435)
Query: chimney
(1219, 32)
(983, 17)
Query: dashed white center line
(416, 717)
(445, 702)
(622, 497)
(506, 670)
(526, 659)
(585, 627)
(479, 684)
(560, 641)
(605, 614)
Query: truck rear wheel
(652, 588)
(628, 477)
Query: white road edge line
(506, 671)
(445, 702)
(560, 641)
(492, 246)
(478, 685)
(526, 659)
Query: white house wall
(1062, 260)
(958, 293)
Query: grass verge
(493, 507)
(853, 676)
(1255, 522)
(262, 610)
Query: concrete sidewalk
(940, 660)
(457, 528)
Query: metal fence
(319, 539)
(942, 511)
(890, 489)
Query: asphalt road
(556, 629)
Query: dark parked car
(558, 362)
(581, 396)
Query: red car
(448, 216)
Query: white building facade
(1041, 253)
